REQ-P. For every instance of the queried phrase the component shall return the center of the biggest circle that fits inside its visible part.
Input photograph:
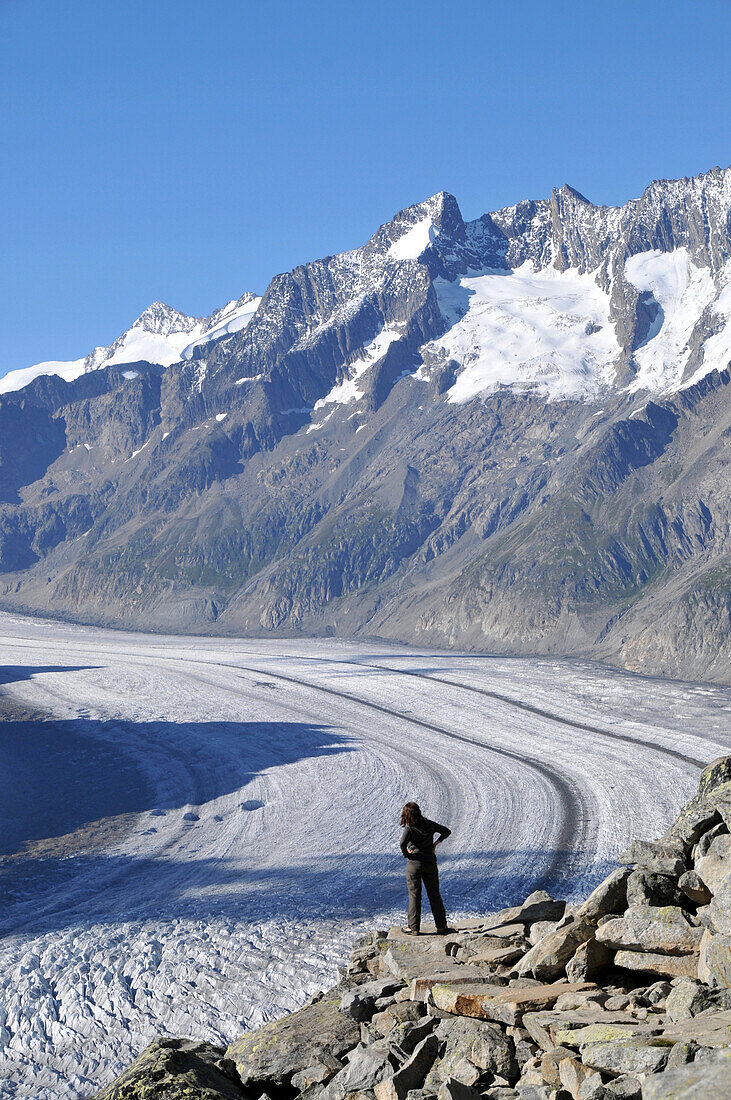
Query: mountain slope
(507, 434)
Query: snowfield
(193, 830)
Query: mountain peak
(163, 319)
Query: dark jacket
(417, 841)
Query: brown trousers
(416, 873)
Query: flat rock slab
(666, 966)
(544, 1027)
(503, 1004)
(707, 1029)
(662, 929)
(454, 975)
(415, 958)
(274, 1053)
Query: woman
(419, 849)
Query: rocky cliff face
(505, 434)
(626, 996)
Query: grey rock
(694, 888)
(625, 1056)
(651, 855)
(610, 896)
(699, 1081)
(590, 959)
(274, 1053)
(551, 954)
(686, 999)
(623, 1088)
(663, 929)
(411, 1075)
(456, 1090)
(409, 1034)
(650, 888)
(361, 1001)
(176, 1069)
(719, 910)
(714, 966)
(367, 1065)
(714, 868)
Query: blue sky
(188, 151)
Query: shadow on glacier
(57, 777)
(342, 888)
(13, 674)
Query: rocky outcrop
(609, 999)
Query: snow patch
(544, 331)
(138, 451)
(414, 241)
(248, 378)
(17, 379)
(234, 317)
(221, 416)
(129, 374)
(682, 291)
(372, 352)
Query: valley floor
(192, 831)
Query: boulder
(666, 966)
(548, 958)
(411, 1074)
(705, 841)
(318, 1073)
(631, 1056)
(454, 975)
(274, 1053)
(714, 966)
(452, 1089)
(407, 1035)
(540, 929)
(714, 868)
(590, 958)
(650, 928)
(650, 888)
(399, 1013)
(367, 1065)
(622, 1088)
(694, 888)
(573, 1073)
(176, 1069)
(687, 999)
(719, 910)
(361, 1001)
(550, 1062)
(697, 1081)
(537, 906)
(610, 896)
(652, 855)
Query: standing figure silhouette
(419, 849)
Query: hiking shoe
(410, 932)
(445, 931)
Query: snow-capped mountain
(160, 335)
(503, 433)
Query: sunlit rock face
(503, 434)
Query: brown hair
(411, 814)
